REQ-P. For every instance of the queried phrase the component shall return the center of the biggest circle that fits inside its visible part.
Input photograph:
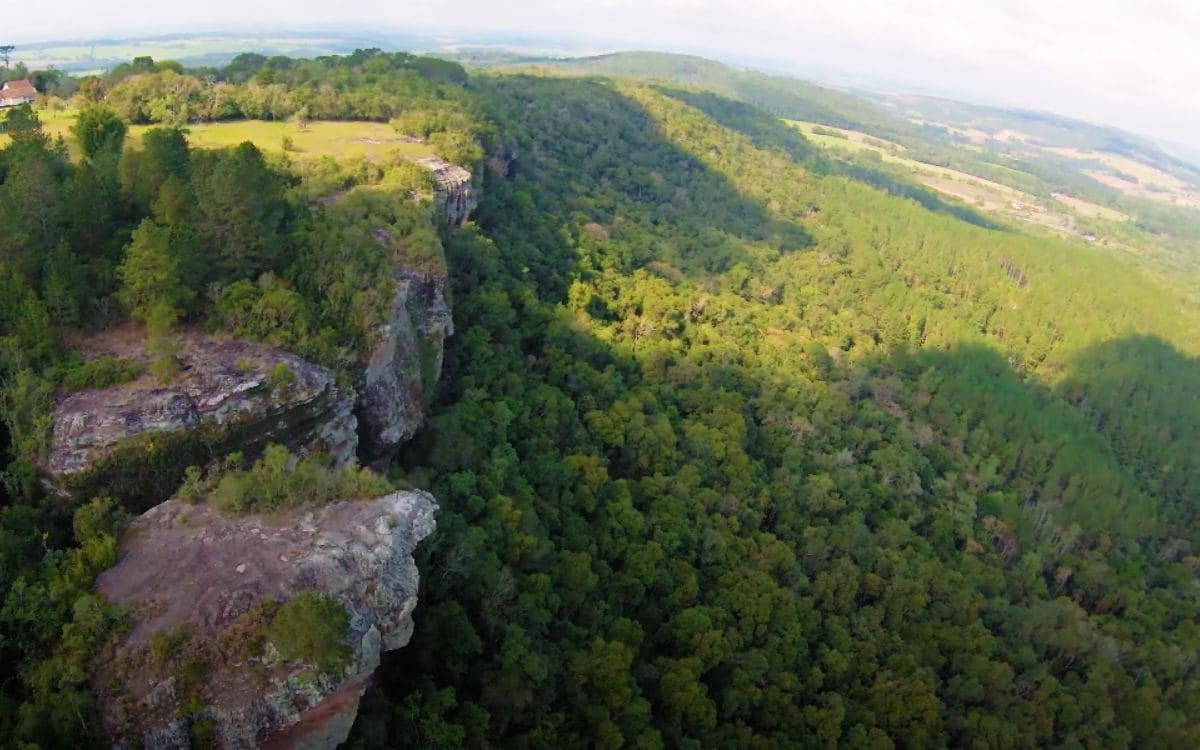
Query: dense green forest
(737, 445)
(776, 460)
(931, 131)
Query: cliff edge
(227, 615)
(133, 440)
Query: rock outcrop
(404, 366)
(189, 570)
(135, 439)
(454, 192)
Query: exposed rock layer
(403, 368)
(454, 192)
(188, 566)
(224, 399)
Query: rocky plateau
(189, 569)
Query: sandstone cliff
(404, 366)
(134, 440)
(198, 664)
(454, 192)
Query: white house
(16, 93)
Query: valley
(635, 400)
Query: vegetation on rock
(312, 628)
(95, 234)
(281, 480)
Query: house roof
(19, 89)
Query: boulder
(196, 662)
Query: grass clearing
(927, 173)
(340, 139)
(1147, 182)
(851, 140)
(1144, 173)
(974, 135)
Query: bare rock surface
(224, 391)
(404, 366)
(454, 192)
(189, 569)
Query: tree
(150, 275)
(164, 154)
(22, 124)
(6, 52)
(96, 128)
(91, 90)
(239, 211)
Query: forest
(738, 444)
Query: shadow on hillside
(1007, 472)
(1017, 436)
(1144, 396)
(768, 132)
(762, 128)
(955, 444)
(639, 197)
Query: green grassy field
(372, 140)
(343, 139)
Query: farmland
(1061, 213)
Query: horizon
(1121, 68)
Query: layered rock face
(454, 193)
(228, 396)
(188, 569)
(405, 365)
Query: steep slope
(783, 96)
(740, 453)
(1082, 177)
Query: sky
(1130, 63)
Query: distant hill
(198, 49)
(910, 120)
(788, 97)
(1044, 128)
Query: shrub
(167, 645)
(282, 378)
(192, 490)
(282, 480)
(313, 629)
(101, 373)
